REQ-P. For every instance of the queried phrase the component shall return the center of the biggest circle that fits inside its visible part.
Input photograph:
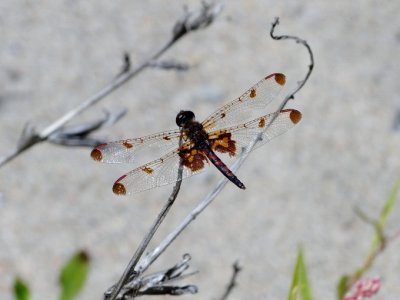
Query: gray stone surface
(301, 188)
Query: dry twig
(159, 283)
(130, 274)
(232, 283)
(190, 21)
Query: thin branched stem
(189, 22)
(147, 260)
(232, 283)
(130, 272)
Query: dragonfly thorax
(197, 134)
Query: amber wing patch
(193, 159)
(223, 143)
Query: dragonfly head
(184, 117)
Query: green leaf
(21, 290)
(387, 208)
(73, 275)
(377, 242)
(391, 200)
(342, 286)
(300, 284)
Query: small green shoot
(300, 284)
(73, 275)
(377, 246)
(21, 290)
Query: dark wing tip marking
(118, 187)
(279, 78)
(295, 115)
(96, 154)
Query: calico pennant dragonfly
(223, 134)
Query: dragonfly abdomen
(223, 168)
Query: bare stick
(130, 272)
(232, 283)
(189, 22)
(146, 261)
(310, 53)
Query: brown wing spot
(96, 154)
(261, 123)
(118, 187)
(280, 78)
(253, 93)
(224, 144)
(148, 170)
(167, 138)
(127, 145)
(295, 116)
(192, 161)
(223, 115)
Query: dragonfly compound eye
(184, 117)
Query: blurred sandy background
(301, 188)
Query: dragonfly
(222, 135)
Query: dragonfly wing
(247, 106)
(231, 140)
(162, 171)
(125, 151)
